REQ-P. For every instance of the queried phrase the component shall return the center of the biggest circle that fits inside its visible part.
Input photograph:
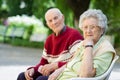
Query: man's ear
(63, 17)
(46, 23)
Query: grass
(27, 43)
(23, 42)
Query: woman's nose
(88, 29)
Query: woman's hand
(54, 75)
(29, 73)
(88, 41)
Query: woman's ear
(102, 31)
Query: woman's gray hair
(95, 13)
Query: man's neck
(63, 29)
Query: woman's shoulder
(105, 46)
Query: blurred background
(23, 20)
(22, 25)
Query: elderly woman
(92, 53)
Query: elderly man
(57, 49)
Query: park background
(28, 17)
(22, 24)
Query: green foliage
(24, 43)
(13, 7)
(28, 32)
(40, 7)
(27, 9)
(111, 9)
(3, 9)
(70, 8)
(44, 5)
(66, 10)
(114, 29)
(31, 23)
(0, 2)
(18, 7)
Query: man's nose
(54, 22)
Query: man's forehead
(52, 11)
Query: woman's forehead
(90, 21)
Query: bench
(3, 30)
(15, 32)
(11, 32)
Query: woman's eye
(85, 27)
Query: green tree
(26, 7)
(3, 11)
(40, 6)
(78, 7)
(66, 10)
(111, 9)
(13, 7)
(19, 7)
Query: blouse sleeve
(102, 62)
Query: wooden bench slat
(11, 32)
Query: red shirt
(56, 45)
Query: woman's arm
(56, 73)
(87, 69)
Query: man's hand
(29, 73)
(47, 69)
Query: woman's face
(91, 29)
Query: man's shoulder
(49, 36)
(72, 29)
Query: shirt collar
(63, 30)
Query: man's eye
(50, 21)
(55, 18)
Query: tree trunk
(78, 7)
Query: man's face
(55, 21)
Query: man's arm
(42, 62)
